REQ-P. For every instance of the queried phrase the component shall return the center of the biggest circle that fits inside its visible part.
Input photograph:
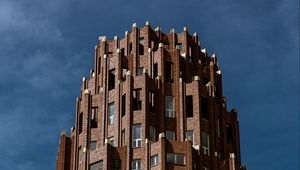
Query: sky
(46, 47)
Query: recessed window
(111, 79)
(170, 135)
(179, 46)
(141, 46)
(189, 135)
(176, 158)
(123, 105)
(204, 108)
(229, 133)
(94, 117)
(123, 138)
(97, 166)
(152, 131)
(136, 164)
(136, 135)
(93, 146)
(154, 160)
(116, 164)
(140, 71)
(170, 107)
(205, 143)
(137, 103)
(155, 70)
(189, 106)
(111, 113)
(169, 72)
(80, 121)
(151, 102)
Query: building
(153, 101)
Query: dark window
(123, 138)
(229, 133)
(123, 105)
(130, 48)
(169, 72)
(204, 108)
(155, 70)
(141, 46)
(151, 102)
(140, 71)
(116, 164)
(80, 122)
(94, 117)
(122, 52)
(111, 79)
(189, 106)
(137, 103)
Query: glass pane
(180, 159)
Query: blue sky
(46, 47)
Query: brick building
(153, 101)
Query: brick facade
(128, 86)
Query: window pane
(93, 145)
(136, 135)
(154, 160)
(180, 159)
(97, 166)
(111, 110)
(136, 164)
(190, 135)
(170, 135)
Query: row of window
(136, 164)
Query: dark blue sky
(46, 47)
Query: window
(97, 166)
(204, 108)
(136, 164)
(189, 106)
(218, 128)
(123, 138)
(122, 52)
(154, 160)
(137, 103)
(141, 46)
(179, 46)
(123, 105)
(176, 158)
(111, 141)
(93, 146)
(205, 168)
(229, 133)
(189, 135)
(140, 71)
(152, 133)
(136, 136)
(155, 70)
(94, 119)
(80, 123)
(205, 143)
(169, 72)
(111, 111)
(111, 79)
(116, 164)
(170, 107)
(151, 102)
(170, 135)
(130, 48)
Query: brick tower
(153, 101)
